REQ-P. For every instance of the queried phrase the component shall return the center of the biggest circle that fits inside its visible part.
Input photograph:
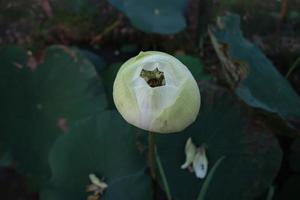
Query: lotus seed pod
(156, 92)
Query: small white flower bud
(156, 92)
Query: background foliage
(59, 123)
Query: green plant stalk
(293, 67)
(270, 193)
(106, 31)
(163, 176)
(111, 27)
(151, 154)
(208, 179)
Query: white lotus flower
(156, 92)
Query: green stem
(163, 176)
(296, 63)
(270, 193)
(106, 31)
(151, 154)
(208, 179)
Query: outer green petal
(125, 100)
(123, 94)
(182, 113)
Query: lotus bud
(156, 92)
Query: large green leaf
(155, 16)
(252, 154)
(109, 76)
(256, 79)
(94, 58)
(104, 145)
(22, 124)
(65, 86)
(195, 65)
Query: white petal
(96, 181)
(152, 101)
(200, 163)
(190, 151)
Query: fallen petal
(200, 163)
(96, 181)
(190, 151)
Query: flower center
(154, 78)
